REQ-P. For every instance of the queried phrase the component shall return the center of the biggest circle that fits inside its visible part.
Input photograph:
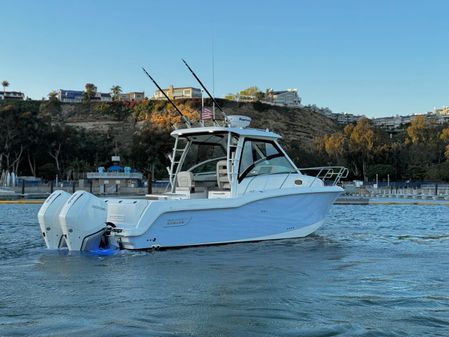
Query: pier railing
(331, 175)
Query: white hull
(276, 217)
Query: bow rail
(331, 175)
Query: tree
(5, 84)
(419, 130)
(89, 91)
(150, 149)
(361, 143)
(116, 90)
(52, 95)
(230, 97)
(251, 91)
(444, 137)
(334, 145)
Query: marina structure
(114, 177)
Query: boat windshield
(260, 157)
(204, 153)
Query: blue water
(370, 271)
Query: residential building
(70, 96)
(176, 93)
(77, 96)
(324, 111)
(133, 96)
(246, 98)
(287, 97)
(443, 111)
(12, 95)
(346, 118)
(390, 123)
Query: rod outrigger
(205, 89)
(184, 118)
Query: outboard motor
(48, 217)
(82, 220)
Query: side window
(261, 158)
(247, 156)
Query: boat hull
(266, 218)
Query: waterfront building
(287, 97)
(77, 96)
(133, 96)
(115, 176)
(12, 95)
(176, 93)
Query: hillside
(298, 126)
(48, 138)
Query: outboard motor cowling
(83, 220)
(48, 217)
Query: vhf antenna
(205, 89)
(184, 118)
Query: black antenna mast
(184, 118)
(205, 89)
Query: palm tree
(52, 96)
(89, 91)
(116, 90)
(5, 84)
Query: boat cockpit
(223, 162)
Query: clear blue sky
(366, 57)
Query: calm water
(370, 271)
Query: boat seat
(185, 181)
(222, 175)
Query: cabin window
(262, 157)
(204, 153)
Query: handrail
(328, 173)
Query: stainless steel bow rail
(331, 175)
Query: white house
(287, 97)
(13, 95)
(176, 93)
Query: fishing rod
(184, 118)
(205, 89)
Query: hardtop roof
(246, 132)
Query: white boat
(227, 184)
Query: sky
(374, 57)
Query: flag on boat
(206, 114)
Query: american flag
(206, 114)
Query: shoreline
(339, 201)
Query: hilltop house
(134, 96)
(12, 95)
(76, 96)
(287, 97)
(176, 93)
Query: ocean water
(376, 270)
